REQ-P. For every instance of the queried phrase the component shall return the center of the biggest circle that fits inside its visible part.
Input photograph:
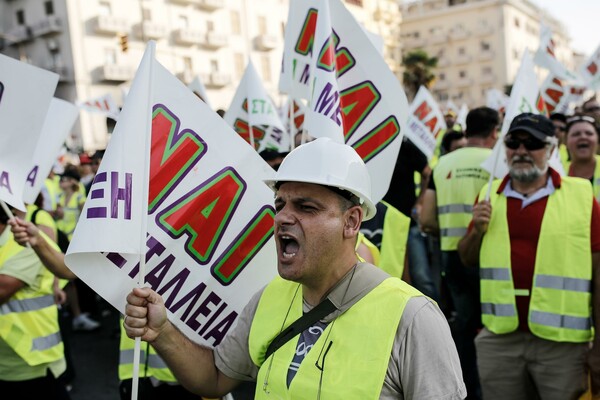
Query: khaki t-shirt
(424, 363)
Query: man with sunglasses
(537, 241)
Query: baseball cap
(71, 173)
(536, 125)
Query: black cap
(536, 125)
(270, 154)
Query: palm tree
(418, 70)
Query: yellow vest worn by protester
(71, 212)
(388, 232)
(596, 179)
(29, 319)
(560, 307)
(458, 179)
(357, 346)
(156, 368)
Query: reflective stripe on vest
(352, 370)
(458, 177)
(25, 305)
(157, 368)
(29, 320)
(560, 304)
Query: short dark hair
(450, 137)
(481, 122)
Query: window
(239, 64)
(262, 25)
(486, 70)
(187, 64)
(461, 51)
(104, 7)
(517, 22)
(110, 57)
(210, 26)
(236, 26)
(485, 46)
(146, 14)
(462, 74)
(214, 66)
(49, 7)
(442, 76)
(266, 68)
(20, 17)
(182, 21)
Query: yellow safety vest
(458, 178)
(560, 307)
(29, 320)
(596, 178)
(53, 188)
(388, 232)
(358, 347)
(157, 368)
(71, 213)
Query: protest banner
(208, 243)
(425, 122)
(104, 105)
(355, 99)
(59, 120)
(545, 56)
(25, 95)
(252, 111)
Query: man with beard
(537, 241)
(377, 338)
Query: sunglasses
(514, 143)
(581, 118)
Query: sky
(580, 17)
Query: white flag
(103, 105)
(590, 71)
(25, 95)
(252, 107)
(425, 121)
(497, 100)
(210, 217)
(546, 57)
(199, 89)
(58, 123)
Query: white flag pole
(291, 119)
(493, 174)
(144, 222)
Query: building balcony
(210, 5)
(443, 62)
(459, 35)
(413, 43)
(463, 59)
(185, 76)
(440, 85)
(438, 38)
(484, 30)
(383, 15)
(107, 24)
(213, 40)
(464, 82)
(186, 2)
(49, 25)
(114, 72)
(151, 30)
(265, 42)
(216, 80)
(19, 34)
(485, 55)
(188, 37)
(487, 79)
(63, 72)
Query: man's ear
(352, 221)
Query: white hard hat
(328, 163)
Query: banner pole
(144, 222)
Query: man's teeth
(287, 255)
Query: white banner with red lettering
(545, 56)
(25, 95)
(209, 215)
(104, 105)
(58, 123)
(252, 107)
(425, 121)
(590, 71)
(560, 95)
(355, 99)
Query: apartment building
(479, 43)
(84, 41)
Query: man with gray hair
(537, 241)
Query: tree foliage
(418, 70)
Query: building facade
(479, 43)
(96, 45)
